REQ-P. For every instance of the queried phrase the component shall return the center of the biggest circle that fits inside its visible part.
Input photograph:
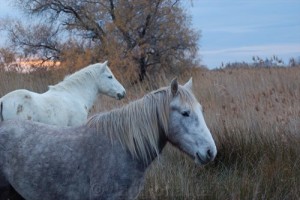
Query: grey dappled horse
(107, 157)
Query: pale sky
(234, 31)
(237, 30)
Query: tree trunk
(143, 66)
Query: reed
(254, 116)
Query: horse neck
(153, 154)
(150, 137)
(152, 151)
(82, 88)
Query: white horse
(66, 103)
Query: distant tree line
(273, 61)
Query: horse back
(18, 104)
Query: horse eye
(110, 77)
(186, 113)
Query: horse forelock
(139, 124)
(187, 96)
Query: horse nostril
(120, 96)
(209, 154)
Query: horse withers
(66, 103)
(107, 157)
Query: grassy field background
(254, 116)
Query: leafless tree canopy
(136, 36)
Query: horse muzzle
(121, 95)
(203, 159)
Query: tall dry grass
(254, 116)
(36, 81)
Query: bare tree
(33, 40)
(138, 34)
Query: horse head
(108, 84)
(187, 128)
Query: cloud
(258, 49)
(230, 29)
(214, 57)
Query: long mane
(78, 78)
(137, 125)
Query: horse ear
(189, 84)
(102, 68)
(105, 62)
(174, 86)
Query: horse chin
(200, 160)
(115, 96)
(120, 96)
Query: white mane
(79, 78)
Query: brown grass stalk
(254, 116)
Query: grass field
(254, 116)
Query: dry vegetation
(254, 116)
